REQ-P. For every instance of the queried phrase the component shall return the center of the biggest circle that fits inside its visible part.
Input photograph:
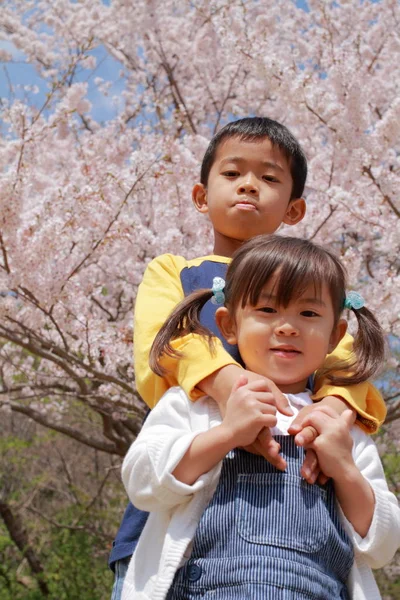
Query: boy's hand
(333, 444)
(306, 434)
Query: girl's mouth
(286, 352)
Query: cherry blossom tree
(86, 203)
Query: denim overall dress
(267, 535)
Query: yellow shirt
(159, 293)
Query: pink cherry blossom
(86, 204)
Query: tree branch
(110, 448)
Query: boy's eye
(231, 173)
(309, 313)
(270, 178)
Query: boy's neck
(225, 246)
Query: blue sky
(17, 78)
(16, 75)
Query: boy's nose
(249, 186)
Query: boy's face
(248, 193)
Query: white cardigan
(176, 508)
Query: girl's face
(284, 344)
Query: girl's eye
(309, 313)
(267, 309)
(271, 178)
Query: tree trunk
(19, 537)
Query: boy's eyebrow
(265, 163)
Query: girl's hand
(250, 408)
(333, 444)
(219, 386)
(265, 445)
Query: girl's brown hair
(299, 263)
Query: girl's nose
(287, 329)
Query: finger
(252, 449)
(269, 449)
(310, 469)
(299, 422)
(280, 399)
(322, 479)
(349, 418)
(267, 401)
(267, 440)
(306, 436)
(243, 380)
(296, 426)
(317, 419)
(324, 409)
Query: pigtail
(369, 349)
(183, 320)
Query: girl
(226, 524)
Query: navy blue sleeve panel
(199, 278)
(132, 525)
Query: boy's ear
(295, 211)
(337, 334)
(199, 197)
(226, 324)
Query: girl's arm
(164, 439)
(249, 409)
(352, 461)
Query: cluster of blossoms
(86, 204)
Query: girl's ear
(199, 197)
(337, 334)
(226, 324)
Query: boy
(252, 180)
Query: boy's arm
(158, 294)
(364, 398)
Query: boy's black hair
(256, 128)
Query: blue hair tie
(217, 290)
(353, 300)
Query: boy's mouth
(246, 204)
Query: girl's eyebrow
(265, 163)
(264, 297)
(312, 301)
